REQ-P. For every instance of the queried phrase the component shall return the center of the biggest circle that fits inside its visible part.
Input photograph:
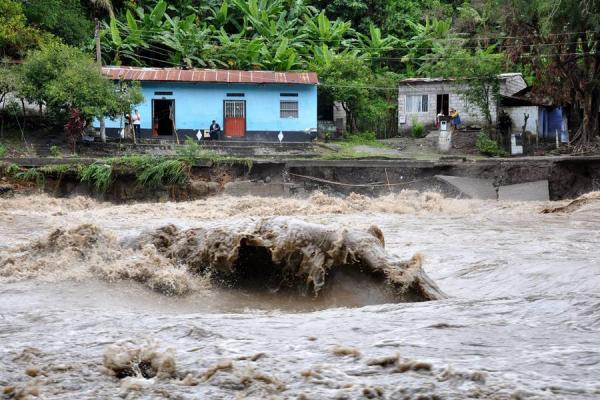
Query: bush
(55, 151)
(418, 129)
(2, 150)
(488, 146)
(11, 170)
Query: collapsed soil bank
(568, 177)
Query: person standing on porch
(136, 118)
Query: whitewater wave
(265, 254)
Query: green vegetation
(55, 151)
(57, 169)
(162, 173)
(17, 36)
(100, 175)
(360, 48)
(488, 146)
(418, 129)
(2, 150)
(65, 19)
(31, 175)
(11, 169)
(192, 150)
(363, 138)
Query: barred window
(288, 109)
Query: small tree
(66, 79)
(367, 98)
(477, 70)
(75, 127)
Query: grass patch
(363, 138)
(31, 175)
(99, 175)
(10, 170)
(2, 150)
(56, 169)
(167, 172)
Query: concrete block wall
(469, 114)
(516, 114)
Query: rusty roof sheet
(209, 75)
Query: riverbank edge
(567, 176)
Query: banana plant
(375, 45)
(320, 30)
(283, 58)
(185, 40)
(434, 33)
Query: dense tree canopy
(560, 42)
(554, 42)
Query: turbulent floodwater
(95, 301)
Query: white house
(422, 99)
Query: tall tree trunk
(591, 107)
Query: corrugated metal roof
(441, 79)
(209, 75)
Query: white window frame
(423, 96)
(289, 109)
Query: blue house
(248, 105)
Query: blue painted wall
(196, 105)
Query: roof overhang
(209, 76)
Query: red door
(235, 118)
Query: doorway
(163, 117)
(235, 118)
(442, 104)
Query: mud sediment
(277, 254)
(281, 253)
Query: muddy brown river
(437, 298)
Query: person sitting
(214, 130)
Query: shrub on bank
(418, 129)
(488, 146)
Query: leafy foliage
(488, 146)
(55, 151)
(257, 34)
(417, 129)
(65, 19)
(166, 172)
(100, 175)
(2, 150)
(65, 78)
(560, 42)
(31, 175)
(16, 35)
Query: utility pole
(99, 61)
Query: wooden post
(99, 61)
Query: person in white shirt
(136, 118)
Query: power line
(159, 30)
(418, 60)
